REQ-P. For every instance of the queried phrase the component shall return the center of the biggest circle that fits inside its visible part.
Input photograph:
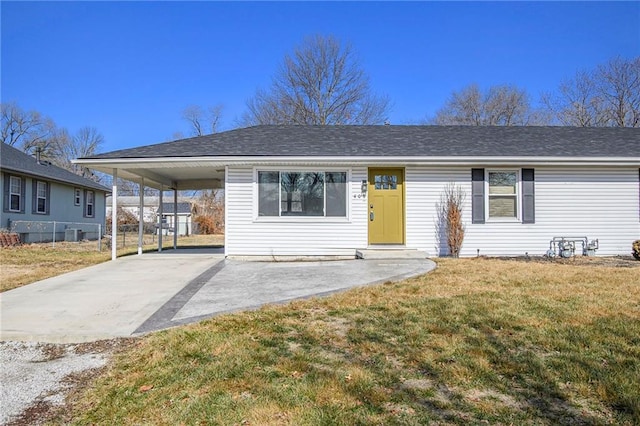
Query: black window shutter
(477, 195)
(528, 196)
(5, 204)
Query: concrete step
(390, 254)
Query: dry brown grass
(478, 341)
(29, 263)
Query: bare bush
(450, 228)
(209, 212)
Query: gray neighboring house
(37, 194)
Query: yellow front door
(386, 206)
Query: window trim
(517, 196)
(87, 204)
(77, 197)
(301, 219)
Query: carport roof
(199, 162)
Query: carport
(161, 173)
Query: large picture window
(302, 193)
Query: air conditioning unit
(73, 235)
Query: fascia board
(285, 160)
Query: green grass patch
(476, 342)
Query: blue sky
(130, 68)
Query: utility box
(73, 235)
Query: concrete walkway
(139, 294)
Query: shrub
(450, 228)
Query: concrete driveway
(139, 294)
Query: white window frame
(300, 219)
(92, 203)
(77, 196)
(38, 197)
(517, 196)
(19, 193)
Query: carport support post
(141, 216)
(160, 219)
(114, 215)
(175, 219)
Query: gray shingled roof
(399, 141)
(167, 208)
(14, 160)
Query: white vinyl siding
(597, 203)
(247, 234)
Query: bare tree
(609, 95)
(321, 82)
(202, 121)
(25, 130)
(577, 102)
(209, 212)
(86, 142)
(499, 106)
(619, 86)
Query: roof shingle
(398, 141)
(14, 160)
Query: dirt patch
(39, 380)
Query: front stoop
(381, 253)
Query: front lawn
(478, 341)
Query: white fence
(56, 232)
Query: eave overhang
(208, 172)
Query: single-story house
(131, 203)
(180, 215)
(41, 201)
(331, 190)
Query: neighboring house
(330, 190)
(151, 209)
(37, 194)
(132, 205)
(183, 218)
